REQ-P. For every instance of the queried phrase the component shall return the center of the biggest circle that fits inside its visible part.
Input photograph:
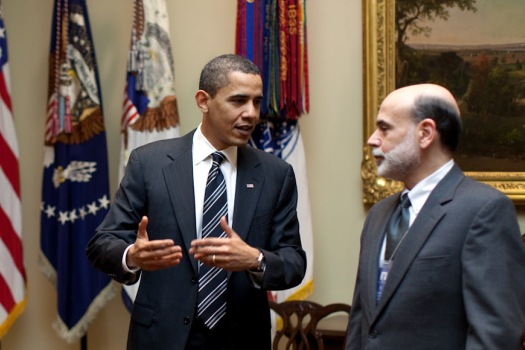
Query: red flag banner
(272, 33)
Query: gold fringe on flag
(88, 126)
(163, 117)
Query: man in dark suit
(453, 277)
(154, 228)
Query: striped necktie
(211, 301)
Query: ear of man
(201, 98)
(427, 133)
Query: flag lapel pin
(249, 186)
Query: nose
(253, 110)
(373, 140)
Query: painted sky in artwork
(495, 22)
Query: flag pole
(83, 342)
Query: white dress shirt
(202, 161)
(419, 195)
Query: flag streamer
(75, 187)
(272, 33)
(13, 279)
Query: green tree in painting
(408, 20)
(477, 93)
(446, 68)
(490, 92)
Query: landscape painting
(475, 48)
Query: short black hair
(444, 114)
(214, 75)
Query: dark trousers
(203, 338)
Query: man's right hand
(152, 255)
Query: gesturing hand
(152, 255)
(231, 253)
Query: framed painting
(440, 41)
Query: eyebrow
(381, 122)
(244, 96)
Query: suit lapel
(179, 179)
(377, 228)
(247, 191)
(430, 215)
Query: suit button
(373, 334)
(186, 320)
(194, 279)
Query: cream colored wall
(200, 30)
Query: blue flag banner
(75, 187)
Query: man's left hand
(231, 253)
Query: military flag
(150, 106)
(75, 187)
(13, 280)
(272, 33)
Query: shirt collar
(202, 149)
(419, 194)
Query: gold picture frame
(379, 80)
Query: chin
(241, 144)
(386, 173)
(240, 141)
(381, 171)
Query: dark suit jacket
(458, 279)
(159, 183)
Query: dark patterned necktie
(211, 301)
(397, 226)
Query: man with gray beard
(441, 263)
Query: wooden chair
(299, 324)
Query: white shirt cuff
(125, 266)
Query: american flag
(13, 279)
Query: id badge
(384, 270)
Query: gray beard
(398, 162)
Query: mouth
(378, 157)
(245, 129)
